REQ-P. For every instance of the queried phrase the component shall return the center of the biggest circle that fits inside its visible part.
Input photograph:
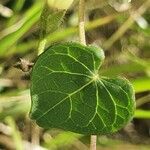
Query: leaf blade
(73, 96)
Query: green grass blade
(15, 133)
(142, 114)
(31, 17)
(141, 84)
(124, 68)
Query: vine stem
(83, 41)
(81, 22)
(93, 142)
(41, 46)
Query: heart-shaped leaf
(68, 93)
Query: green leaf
(50, 20)
(68, 93)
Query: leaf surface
(68, 93)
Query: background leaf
(50, 20)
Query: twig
(6, 82)
(83, 41)
(35, 137)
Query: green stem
(41, 46)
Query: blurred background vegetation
(120, 27)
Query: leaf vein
(64, 99)
(110, 98)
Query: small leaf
(68, 93)
(50, 20)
